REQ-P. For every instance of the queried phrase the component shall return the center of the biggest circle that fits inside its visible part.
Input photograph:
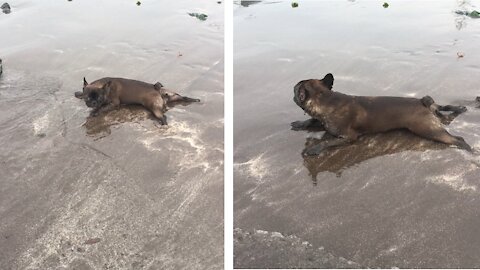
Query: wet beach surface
(114, 191)
(389, 200)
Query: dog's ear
(328, 81)
(106, 87)
(302, 94)
(85, 83)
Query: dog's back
(382, 113)
(131, 91)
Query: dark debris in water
(294, 4)
(200, 16)
(139, 3)
(386, 5)
(472, 14)
(6, 8)
(248, 3)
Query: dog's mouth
(92, 103)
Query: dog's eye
(93, 95)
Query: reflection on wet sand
(99, 126)
(336, 160)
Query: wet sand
(389, 200)
(116, 191)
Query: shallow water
(153, 196)
(390, 200)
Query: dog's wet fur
(347, 117)
(108, 93)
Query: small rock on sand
(92, 241)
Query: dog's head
(311, 89)
(94, 95)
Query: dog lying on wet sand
(347, 117)
(108, 93)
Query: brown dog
(107, 93)
(347, 117)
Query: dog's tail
(427, 101)
(158, 86)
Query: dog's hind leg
(428, 102)
(172, 97)
(162, 118)
(452, 108)
(158, 109)
(439, 134)
(447, 118)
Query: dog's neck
(318, 105)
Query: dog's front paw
(297, 125)
(311, 152)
